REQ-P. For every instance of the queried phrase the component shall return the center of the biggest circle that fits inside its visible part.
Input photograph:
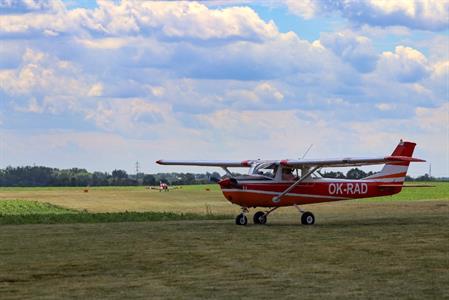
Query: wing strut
(278, 198)
(227, 171)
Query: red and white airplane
(163, 187)
(272, 183)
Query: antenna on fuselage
(304, 155)
(307, 151)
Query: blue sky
(101, 85)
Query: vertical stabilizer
(395, 172)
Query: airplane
(272, 184)
(163, 187)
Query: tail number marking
(348, 188)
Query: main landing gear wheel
(241, 220)
(260, 218)
(307, 218)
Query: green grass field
(393, 247)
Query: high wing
(295, 163)
(206, 163)
(346, 162)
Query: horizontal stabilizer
(404, 186)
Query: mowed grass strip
(22, 207)
(32, 212)
(197, 199)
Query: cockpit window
(265, 169)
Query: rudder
(395, 172)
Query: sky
(101, 85)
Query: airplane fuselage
(259, 193)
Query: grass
(200, 199)
(23, 207)
(189, 199)
(439, 191)
(32, 212)
(367, 250)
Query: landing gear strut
(260, 217)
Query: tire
(260, 218)
(241, 220)
(307, 218)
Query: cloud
(57, 84)
(131, 117)
(415, 14)
(306, 8)
(25, 6)
(220, 81)
(95, 90)
(355, 49)
(405, 64)
(434, 119)
(166, 20)
(263, 92)
(385, 106)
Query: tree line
(44, 176)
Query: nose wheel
(241, 219)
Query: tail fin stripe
(391, 176)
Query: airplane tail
(395, 172)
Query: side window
(288, 174)
(267, 172)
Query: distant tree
(189, 178)
(355, 173)
(100, 179)
(332, 174)
(425, 177)
(409, 178)
(119, 174)
(149, 180)
(45, 176)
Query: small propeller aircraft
(274, 183)
(163, 187)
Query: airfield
(395, 247)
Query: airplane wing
(205, 163)
(295, 163)
(346, 162)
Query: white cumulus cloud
(405, 64)
(355, 49)
(416, 14)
